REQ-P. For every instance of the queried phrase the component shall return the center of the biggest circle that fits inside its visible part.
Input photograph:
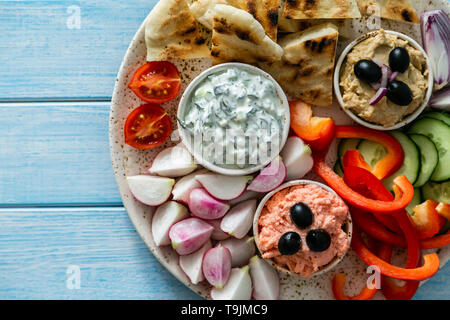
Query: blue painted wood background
(59, 205)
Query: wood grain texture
(43, 56)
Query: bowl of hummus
(406, 90)
(303, 228)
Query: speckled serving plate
(128, 161)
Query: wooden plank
(55, 153)
(44, 55)
(37, 246)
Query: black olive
(289, 243)
(301, 215)
(368, 71)
(399, 59)
(399, 93)
(318, 240)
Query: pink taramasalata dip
(329, 213)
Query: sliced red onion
(441, 100)
(378, 96)
(385, 74)
(393, 76)
(376, 85)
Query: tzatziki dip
(235, 119)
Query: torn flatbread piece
(321, 9)
(238, 36)
(306, 70)
(172, 33)
(400, 10)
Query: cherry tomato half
(156, 82)
(147, 127)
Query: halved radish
(173, 162)
(217, 266)
(185, 185)
(297, 158)
(164, 217)
(217, 234)
(265, 279)
(241, 250)
(189, 235)
(270, 178)
(204, 206)
(150, 190)
(191, 264)
(238, 287)
(224, 187)
(247, 195)
(238, 221)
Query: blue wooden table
(63, 231)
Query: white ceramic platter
(128, 161)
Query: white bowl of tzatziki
(234, 119)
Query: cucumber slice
(417, 199)
(439, 192)
(338, 169)
(346, 144)
(429, 158)
(443, 116)
(371, 151)
(411, 164)
(439, 133)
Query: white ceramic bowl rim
(348, 223)
(409, 118)
(186, 97)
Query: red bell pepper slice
(436, 241)
(426, 219)
(444, 210)
(395, 156)
(316, 131)
(352, 158)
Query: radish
(150, 190)
(238, 287)
(217, 266)
(247, 195)
(224, 187)
(241, 250)
(297, 158)
(191, 264)
(266, 283)
(185, 185)
(203, 206)
(173, 162)
(164, 217)
(238, 221)
(189, 235)
(270, 178)
(217, 234)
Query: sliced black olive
(318, 240)
(399, 93)
(399, 59)
(301, 215)
(289, 243)
(368, 71)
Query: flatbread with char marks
(321, 9)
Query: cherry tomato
(147, 127)
(156, 82)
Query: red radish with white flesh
(189, 235)
(241, 250)
(191, 264)
(173, 162)
(204, 206)
(297, 158)
(150, 190)
(238, 221)
(238, 287)
(265, 279)
(217, 266)
(164, 217)
(224, 187)
(217, 234)
(270, 178)
(185, 185)
(247, 195)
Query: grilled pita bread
(321, 9)
(238, 36)
(265, 11)
(306, 70)
(400, 10)
(171, 33)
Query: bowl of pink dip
(329, 213)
